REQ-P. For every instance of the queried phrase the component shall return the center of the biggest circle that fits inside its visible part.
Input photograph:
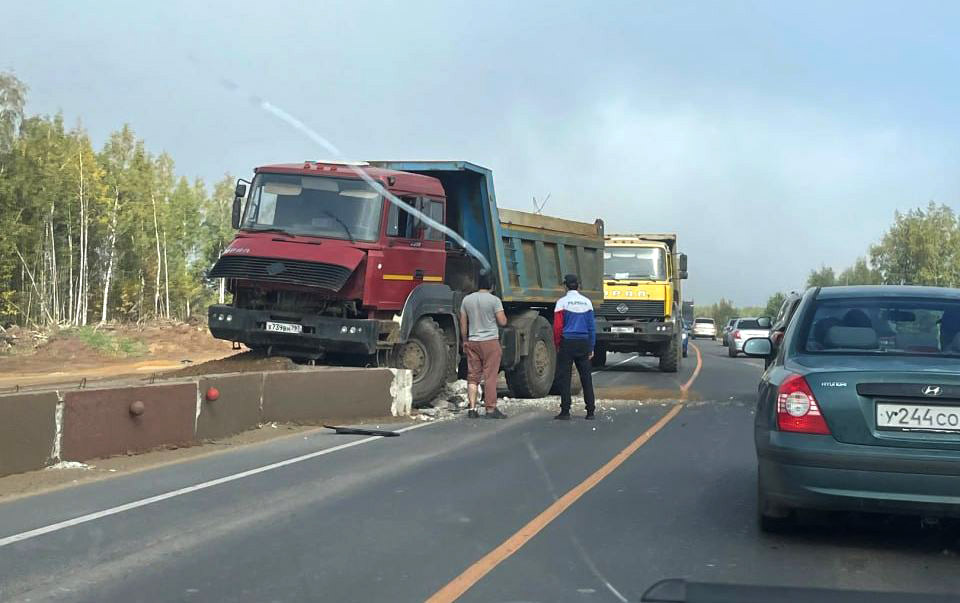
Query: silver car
(744, 329)
(704, 327)
(726, 331)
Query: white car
(704, 327)
(744, 329)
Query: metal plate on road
(284, 327)
(917, 417)
(621, 329)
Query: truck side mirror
(241, 190)
(682, 261)
(237, 209)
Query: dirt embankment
(244, 362)
(33, 358)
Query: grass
(110, 344)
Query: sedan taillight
(736, 334)
(797, 409)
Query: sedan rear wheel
(773, 519)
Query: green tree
(722, 311)
(773, 304)
(922, 247)
(859, 274)
(824, 277)
(13, 98)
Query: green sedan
(859, 409)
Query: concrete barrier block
(106, 422)
(28, 430)
(339, 394)
(236, 408)
(402, 392)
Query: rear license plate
(284, 327)
(917, 417)
(621, 329)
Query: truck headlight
(229, 317)
(343, 329)
(353, 330)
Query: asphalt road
(398, 519)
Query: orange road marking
(470, 576)
(696, 372)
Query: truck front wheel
(533, 376)
(425, 355)
(670, 356)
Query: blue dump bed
(530, 253)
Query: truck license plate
(284, 327)
(621, 329)
(918, 417)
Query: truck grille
(634, 309)
(295, 272)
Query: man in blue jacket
(574, 334)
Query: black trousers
(575, 351)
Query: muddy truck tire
(425, 354)
(670, 356)
(533, 376)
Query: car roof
(887, 291)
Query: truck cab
(641, 310)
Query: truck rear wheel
(425, 354)
(670, 356)
(533, 376)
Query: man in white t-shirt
(481, 315)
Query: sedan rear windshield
(708, 321)
(749, 324)
(927, 327)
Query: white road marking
(613, 365)
(60, 525)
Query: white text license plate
(284, 327)
(621, 329)
(918, 417)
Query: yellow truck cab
(641, 309)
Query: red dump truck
(325, 267)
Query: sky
(772, 137)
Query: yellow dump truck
(641, 309)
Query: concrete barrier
(28, 430)
(39, 429)
(329, 394)
(106, 422)
(236, 407)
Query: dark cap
(572, 281)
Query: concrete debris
(70, 465)
(455, 388)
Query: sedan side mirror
(758, 347)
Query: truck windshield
(634, 262)
(338, 208)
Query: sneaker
(563, 416)
(590, 416)
(495, 414)
(473, 414)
